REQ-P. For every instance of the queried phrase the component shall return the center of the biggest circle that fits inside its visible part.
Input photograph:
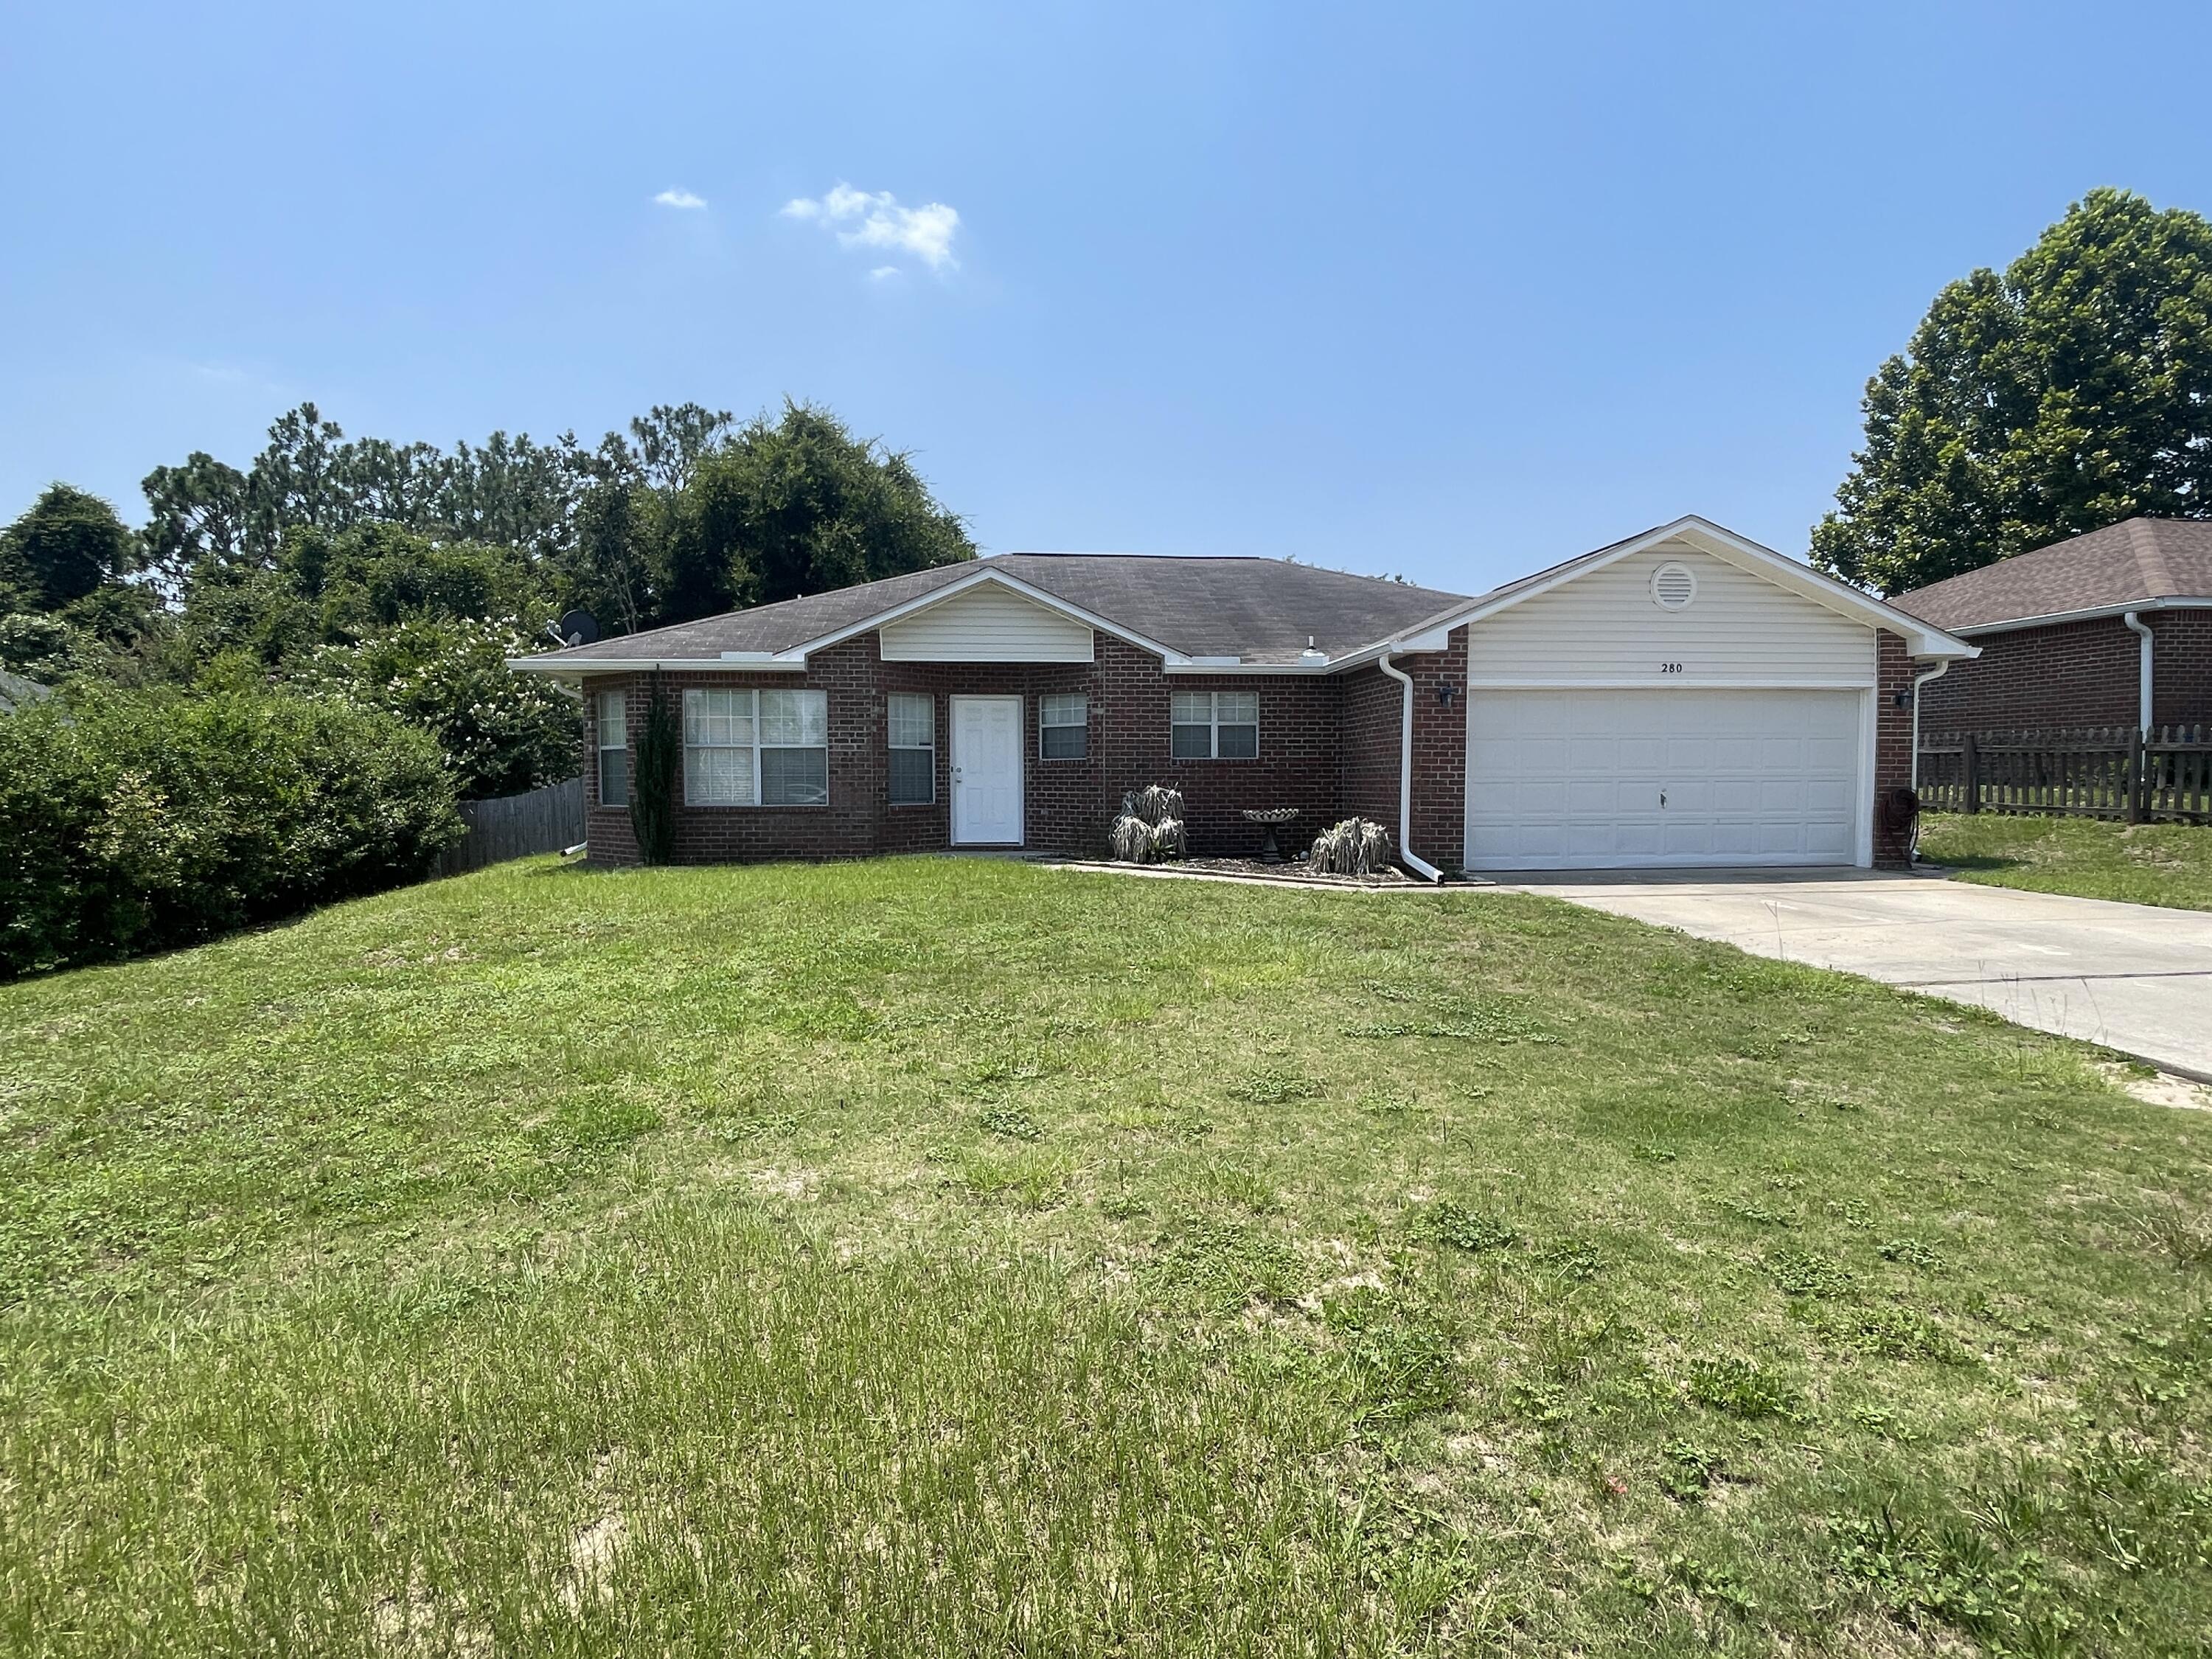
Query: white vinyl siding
(1063, 726)
(1214, 726)
(1603, 629)
(986, 624)
(756, 748)
(911, 722)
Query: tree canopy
(64, 549)
(2070, 393)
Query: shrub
(136, 821)
(1150, 827)
(504, 732)
(1357, 847)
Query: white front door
(986, 771)
(1569, 779)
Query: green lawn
(2168, 864)
(958, 1257)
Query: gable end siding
(985, 624)
(1603, 628)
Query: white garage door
(1593, 780)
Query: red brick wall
(2081, 673)
(1372, 704)
(2181, 667)
(1894, 672)
(1068, 804)
(1440, 752)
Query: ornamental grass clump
(1357, 847)
(1150, 828)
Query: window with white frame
(611, 714)
(913, 723)
(1214, 726)
(756, 748)
(1063, 727)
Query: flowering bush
(502, 732)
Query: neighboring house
(1683, 698)
(2110, 629)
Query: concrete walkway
(2130, 977)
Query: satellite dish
(577, 627)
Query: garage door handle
(1662, 797)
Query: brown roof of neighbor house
(1262, 611)
(2126, 564)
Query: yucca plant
(1150, 827)
(1356, 847)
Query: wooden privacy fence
(2099, 772)
(515, 826)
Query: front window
(913, 723)
(756, 748)
(1214, 726)
(612, 739)
(1064, 731)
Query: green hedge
(139, 820)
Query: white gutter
(1405, 854)
(1919, 680)
(2093, 613)
(2143, 668)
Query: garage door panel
(1574, 778)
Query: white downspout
(1405, 854)
(2142, 671)
(1919, 680)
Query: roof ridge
(2150, 555)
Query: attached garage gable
(1670, 614)
(1670, 708)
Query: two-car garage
(1687, 701)
(1572, 779)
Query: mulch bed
(1287, 872)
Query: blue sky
(1448, 291)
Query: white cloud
(865, 219)
(884, 273)
(680, 198)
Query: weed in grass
(1012, 1123)
(1806, 1273)
(1894, 1330)
(1272, 1085)
(2181, 1236)
(1398, 1357)
(1953, 1575)
(1445, 1222)
(1739, 1386)
(1652, 1152)
(1685, 1471)
(1575, 1261)
(1543, 1404)
(1912, 1252)
(1208, 1264)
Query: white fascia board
(775, 664)
(1013, 584)
(1922, 639)
(2094, 613)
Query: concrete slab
(2130, 977)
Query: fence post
(1970, 781)
(2138, 784)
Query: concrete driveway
(2130, 976)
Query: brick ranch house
(2110, 629)
(1683, 698)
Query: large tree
(63, 549)
(2069, 394)
(799, 505)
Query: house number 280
(1670, 668)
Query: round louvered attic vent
(1672, 587)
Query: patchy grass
(944, 1257)
(2168, 864)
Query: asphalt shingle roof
(2128, 563)
(1260, 611)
